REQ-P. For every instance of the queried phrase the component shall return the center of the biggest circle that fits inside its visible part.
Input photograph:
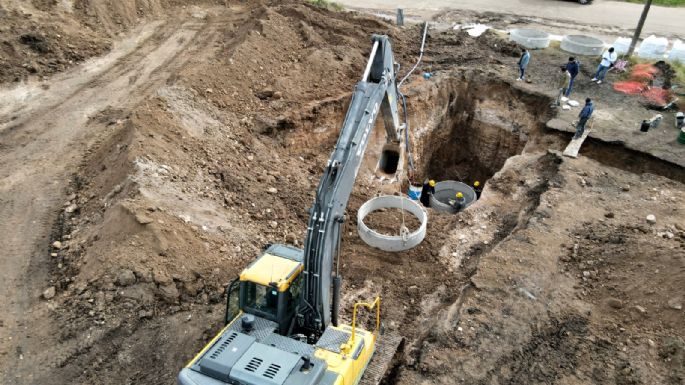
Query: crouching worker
(427, 190)
(458, 203)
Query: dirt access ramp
(43, 135)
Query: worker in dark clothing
(585, 115)
(427, 190)
(573, 67)
(459, 202)
(477, 188)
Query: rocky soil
(556, 276)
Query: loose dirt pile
(554, 276)
(44, 37)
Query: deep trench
(480, 124)
(483, 122)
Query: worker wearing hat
(459, 202)
(477, 188)
(427, 190)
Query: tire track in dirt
(38, 157)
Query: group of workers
(459, 201)
(568, 74)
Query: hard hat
(476, 183)
(460, 195)
(431, 183)
(679, 115)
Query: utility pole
(640, 24)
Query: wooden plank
(574, 145)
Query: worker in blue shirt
(523, 63)
(584, 115)
(573, 67)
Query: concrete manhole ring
(530, 38)
(391, 242)
(446, 190)
(582, 45)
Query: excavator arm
(284, 328)
(375, 93)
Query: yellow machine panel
(349, 368)
(271, 268)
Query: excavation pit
(472, 128)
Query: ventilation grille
(254, 364)
(272, 371)
(223, 345)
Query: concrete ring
(446, 190)
(530, 38)
(390, 242)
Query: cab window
(262, 298)
(294, 294)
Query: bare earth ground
(164, 166)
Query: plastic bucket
(414, 192)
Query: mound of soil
(31, 47)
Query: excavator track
(386, 348)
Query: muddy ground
(137, 185)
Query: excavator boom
(375, 93)
(281, 313)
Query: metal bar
(367, 71)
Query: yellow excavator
(282, 312)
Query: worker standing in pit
(427, 190)
(477, 188)
(459, 202)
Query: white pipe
(367, 71)
(423, 43)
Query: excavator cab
(268, 288)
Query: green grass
(679, 72)
(667, 3)
(333, 6)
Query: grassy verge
(667, 3)
(333, 6)
(679, 69)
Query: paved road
(661, 20)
